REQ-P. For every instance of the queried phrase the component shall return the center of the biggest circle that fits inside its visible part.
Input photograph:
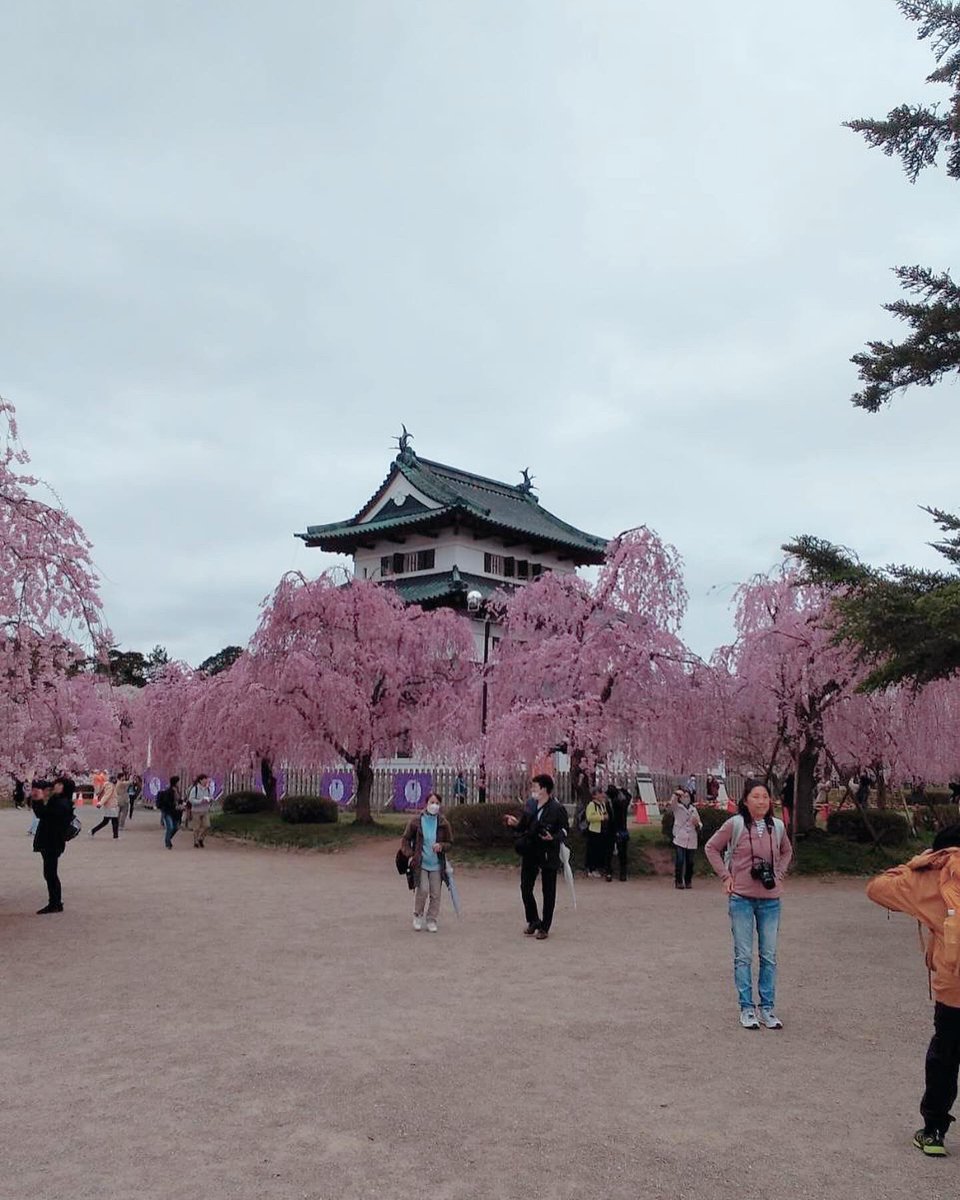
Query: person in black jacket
(618, 806)
(53, 807)
(541, 831)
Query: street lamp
(475, 607)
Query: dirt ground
(242, 1023)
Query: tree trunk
(269, 781)
(364, 772)
(805, 817)
(882, 798)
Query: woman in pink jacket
(751, 853)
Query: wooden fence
(501, 786)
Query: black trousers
(683, 866)
(622, 846)
(530, 868)
(106, 821)
(596, 851)
(50, 860)
(943, 1065)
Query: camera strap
(753, 853)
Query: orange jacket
(926, 887)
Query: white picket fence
(501, 786)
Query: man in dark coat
(541, 831)
(53, 807)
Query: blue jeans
(170, 828)
(765, 914)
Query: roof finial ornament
(527, 486)
(403, 444)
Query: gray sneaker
(748, 1018)
(769, 1019)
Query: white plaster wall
(398, 490)
(451, 551)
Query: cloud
(633, 250)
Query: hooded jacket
(925, 887)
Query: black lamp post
(474, 607)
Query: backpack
(164, 800)
(737, 832)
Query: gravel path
(242, 1023)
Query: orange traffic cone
(640, 816)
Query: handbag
(403, 863)
(72, 830)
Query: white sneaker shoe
(418, 923)
(431, 927)
(748, 1018)
(769, 1019)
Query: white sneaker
(769, 1019)
(418, 922)
(431, 927)
(748, 1018)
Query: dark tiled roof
(352, 531)
(446, 585)
(475, 499)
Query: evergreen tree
(921, 136)
(223, 660)
(905, 622)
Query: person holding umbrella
(426, 840)
(542, 832)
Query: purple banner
(216, 786)
(338, 786)
(410, 790)
(153, 785)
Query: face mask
(433, 809)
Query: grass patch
(820, 854)
(267, 829)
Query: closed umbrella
(452, 888)
(568, 871)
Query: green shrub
(934, 817)
(890, 827)
(481, 825)
(246, 802)
(309, 810)
(932, 797)
(711, 817)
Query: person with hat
(53, 807)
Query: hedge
(246, 802)
(891, 828)
(711, 817)
(481, 825)
(934, 817)
(309, 810)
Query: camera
(763, 871)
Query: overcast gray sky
(628, 245)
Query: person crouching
(426, 840)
